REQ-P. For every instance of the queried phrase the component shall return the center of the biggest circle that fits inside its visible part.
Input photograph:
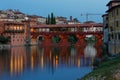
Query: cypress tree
(46, 20)
(49, 20)
(52, 20)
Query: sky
(63, 8)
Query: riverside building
(114, 26)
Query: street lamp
(28, 40)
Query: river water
(47, 63)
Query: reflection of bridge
(65, 30)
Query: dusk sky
(64, 8)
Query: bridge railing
(68, 32)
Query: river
(47, 63)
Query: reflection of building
(21, 59)
(114, 26)
(18, 59)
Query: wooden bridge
(65, 30)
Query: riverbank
(4, 46)
(109, 70)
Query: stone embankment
(4, 46)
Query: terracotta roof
(112, 8)
(112, 2)
(12, 22)
(104, 15)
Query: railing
(14, 31)
(67, 32)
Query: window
(117, 11)
(119, 36)
(117, 23)
(111, 36)
(112, 13)
(111, 28)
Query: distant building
(73, 21)
(41, 20)
(11, 15)
(114, 26)
(61, 20)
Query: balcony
(14, 31)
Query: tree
(4, 40)
(54, 20)
(46, 20)
(51, 19)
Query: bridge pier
(81, 41)
(99, 51)
(47, 40)
(64, 41)
(99, 40)
(80, 51)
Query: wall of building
(114, 29)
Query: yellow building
(114, 26)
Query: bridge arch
(40, 38)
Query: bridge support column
(81, 41)
(47, 40)
(99, 40)
(80, 51)
(64, 41)
(99, 51)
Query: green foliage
(51, 19)
(4, 40)
(106, 70)
(72, 39)
(96, 62)
(55, 39)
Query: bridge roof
(68, 25)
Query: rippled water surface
(47, 63)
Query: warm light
(11, 65)
(20, 28)
(42, 62)
(14, 28)
(56, 61)
(32, 30)
(17, 28)
(15, 65)
(78, 63)
(32, 62)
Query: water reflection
(47, 61)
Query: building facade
(105, 28)
(114, 26)
(14, 30)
